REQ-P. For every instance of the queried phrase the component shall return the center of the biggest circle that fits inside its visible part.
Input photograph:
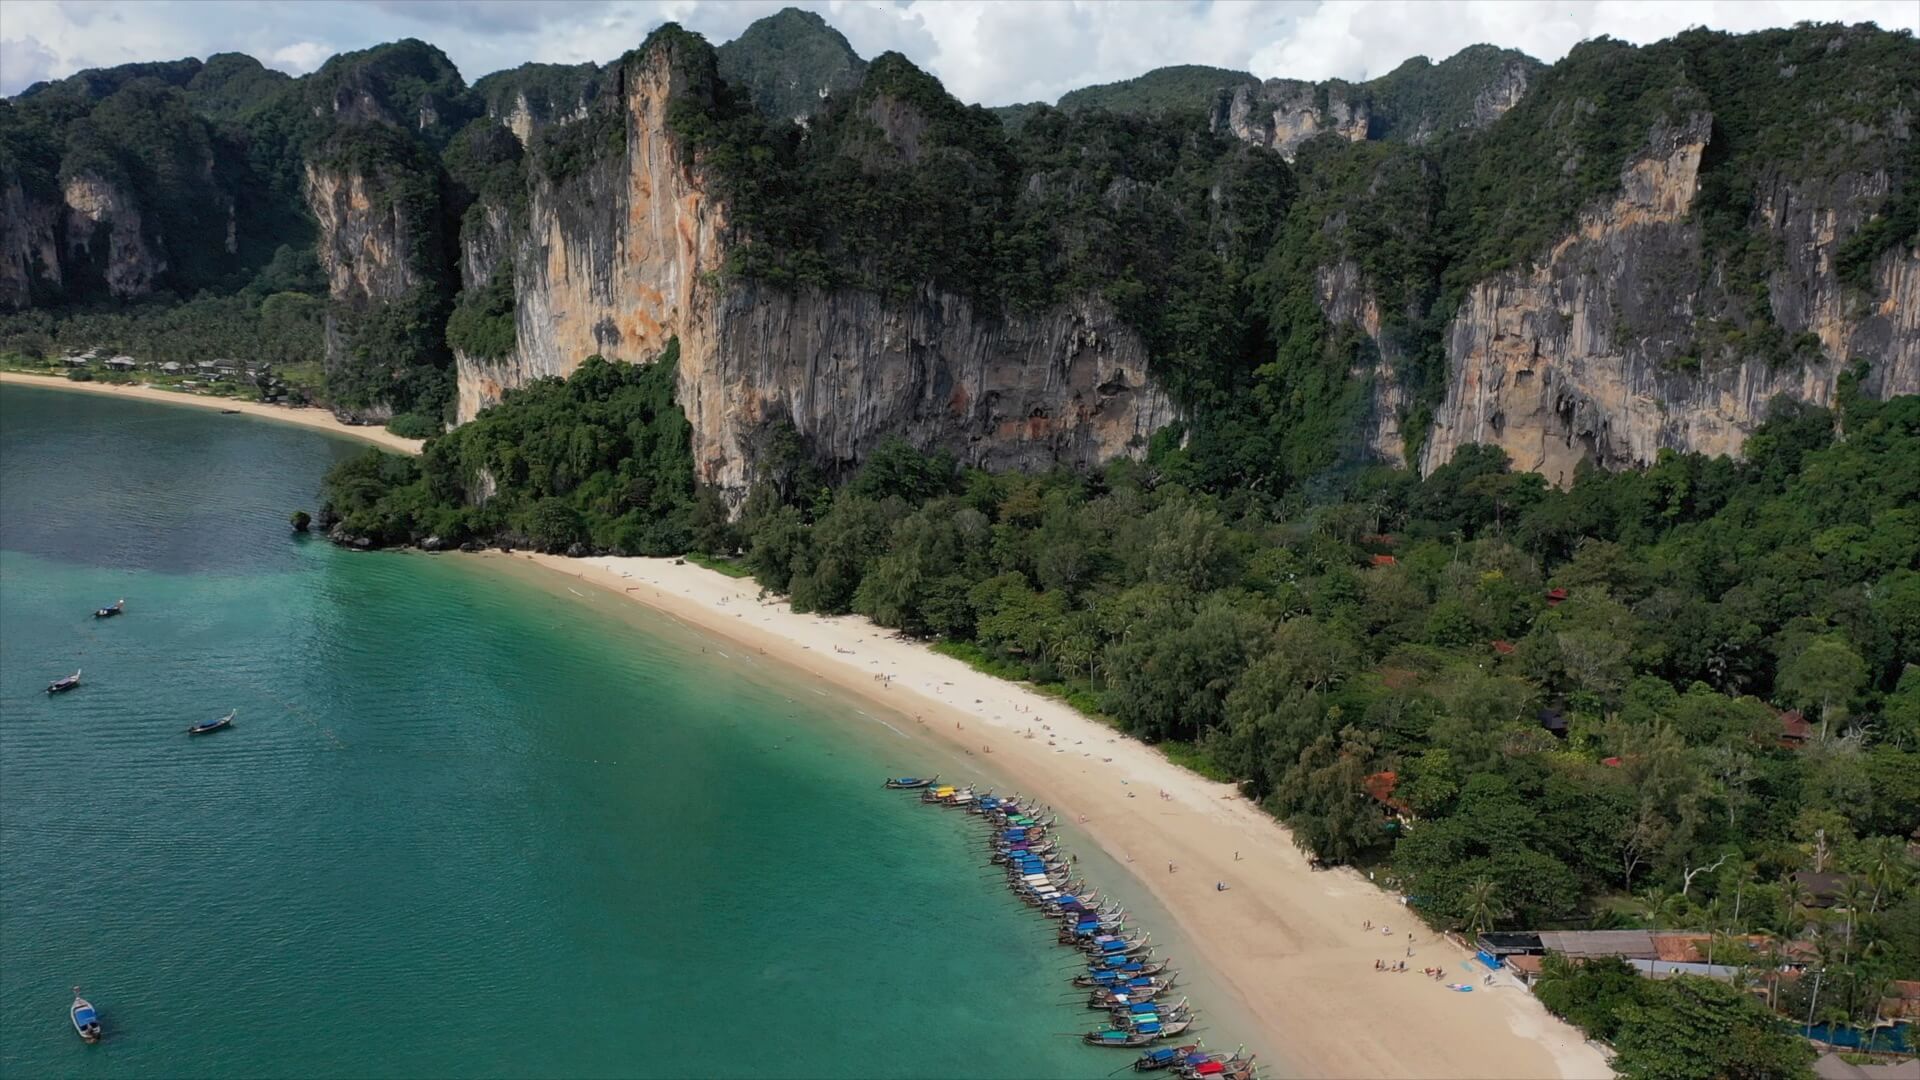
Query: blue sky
(988, 51)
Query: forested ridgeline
(1631, 701)
(208, 184)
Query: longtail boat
(910, 783)
(205, 726)
(1167, 1057)
(61, 686)
(1136, 1036)
(110, 610)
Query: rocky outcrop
(1591, 354)
(366, 244)
(364, 237)
(1346, 300)
(29, 245)
(104, 233)
(1283, 113)
(630, 254)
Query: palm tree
(1657, 905)
(1794, 897)
(1853, 897)
(1887, 867)
(1483, 906)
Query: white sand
(1287, 940)
(319, 419)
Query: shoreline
(315, 419)
(1285, 941)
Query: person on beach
(1219, 886)
(1368, 925)
(1171, 868)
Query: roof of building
(1529, 965)
(1508, 941)
(1831, 1067)
(1384, 560)
(1822, 887)
(1634, 944)
(1666, 969)
(1504, 648)
(1794, 726)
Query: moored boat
(111, 610)
(910, 783)
(61, 686)
(85, 1020)
(206, 726)
(1167, 1057)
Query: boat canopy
(84, 1014)
(1209, 1068)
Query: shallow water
(463, 824)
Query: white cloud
(987, 51)
(1362, 39)
(300, 57)
(23, 62)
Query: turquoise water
(463, 825)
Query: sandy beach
(1288, 941)
(318, 419)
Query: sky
(992, 52)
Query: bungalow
(76, 361)
(1823, 890)
(1554, 720)
(171, 367)
(1504, 648)
(121, 363)
(1794, 730)
(1555, 597)
(1384, 560)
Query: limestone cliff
(631, 252)
(1346, 300)
(29, 246)
(104, 233)
(1283, 113)
(1592, 353)
(366, 243)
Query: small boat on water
(1142, 1035)
(206, 726)
(1167, 1057)
(111, 610)
(910, 783)
(85, 1020)
(61, 686)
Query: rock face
(630, 253)
(29, 247)
(1346, 301)
(365, 247)
(1283, 113)
(1590, 354)
(104, 232)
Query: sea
(466, 822)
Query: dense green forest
(598, 461)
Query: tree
(1658, 905)
(1483, 907)
(1825, 674)
(1588, 994)
(1692, 1028)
